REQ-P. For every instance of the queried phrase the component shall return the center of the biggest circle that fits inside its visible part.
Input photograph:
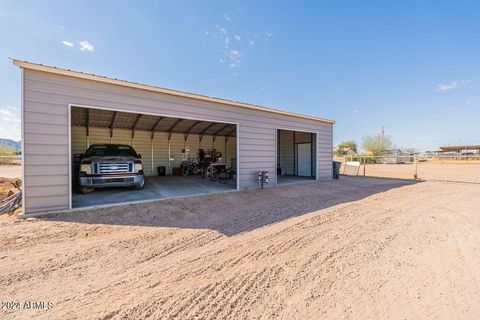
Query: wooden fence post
(364, 165)
(415, 167)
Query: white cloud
(234, 43)
(10, 120)
(267, 36)
(469, 102)
(356, 110)
(454, 84)
(68, 43)
(234, 53)
(4, 113)
(86, 46)
(234, 56)
(447, 87)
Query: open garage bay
(163, 145)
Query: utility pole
(383, 135)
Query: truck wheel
(86, 190)
(140, 186)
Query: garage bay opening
(127, 157)
(296, 156)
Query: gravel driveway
(353, 248)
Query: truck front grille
(115, 180)
(112, 167)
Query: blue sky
(410, 66)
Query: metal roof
(88, 117)
(94, 77)
(460, 148)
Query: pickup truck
(110, 165)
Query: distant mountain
(16, 145)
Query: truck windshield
(110, 151)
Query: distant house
(348, 151)
(394, 156)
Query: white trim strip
(22, 129)
(70, 186)
(237, 169)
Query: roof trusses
(89, 117)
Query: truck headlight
(87, 168)
(138, 167)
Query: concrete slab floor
(155, 188)
(293, 179)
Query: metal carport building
(60, 108)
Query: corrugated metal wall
(286, 151)
(46, 153)
(142, 143)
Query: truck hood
(110, 159)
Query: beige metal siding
(160, 150)
(325, 155)
(230, 155)
(302, 137)
(79, 140)
(46, 93)
(314, 150)
(143, 145)
(285, 139)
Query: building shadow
(236, 212)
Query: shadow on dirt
(236, 212)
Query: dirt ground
(5, 186)
(463, 171)
(9, 174)
(11, 171)
(355, 248)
